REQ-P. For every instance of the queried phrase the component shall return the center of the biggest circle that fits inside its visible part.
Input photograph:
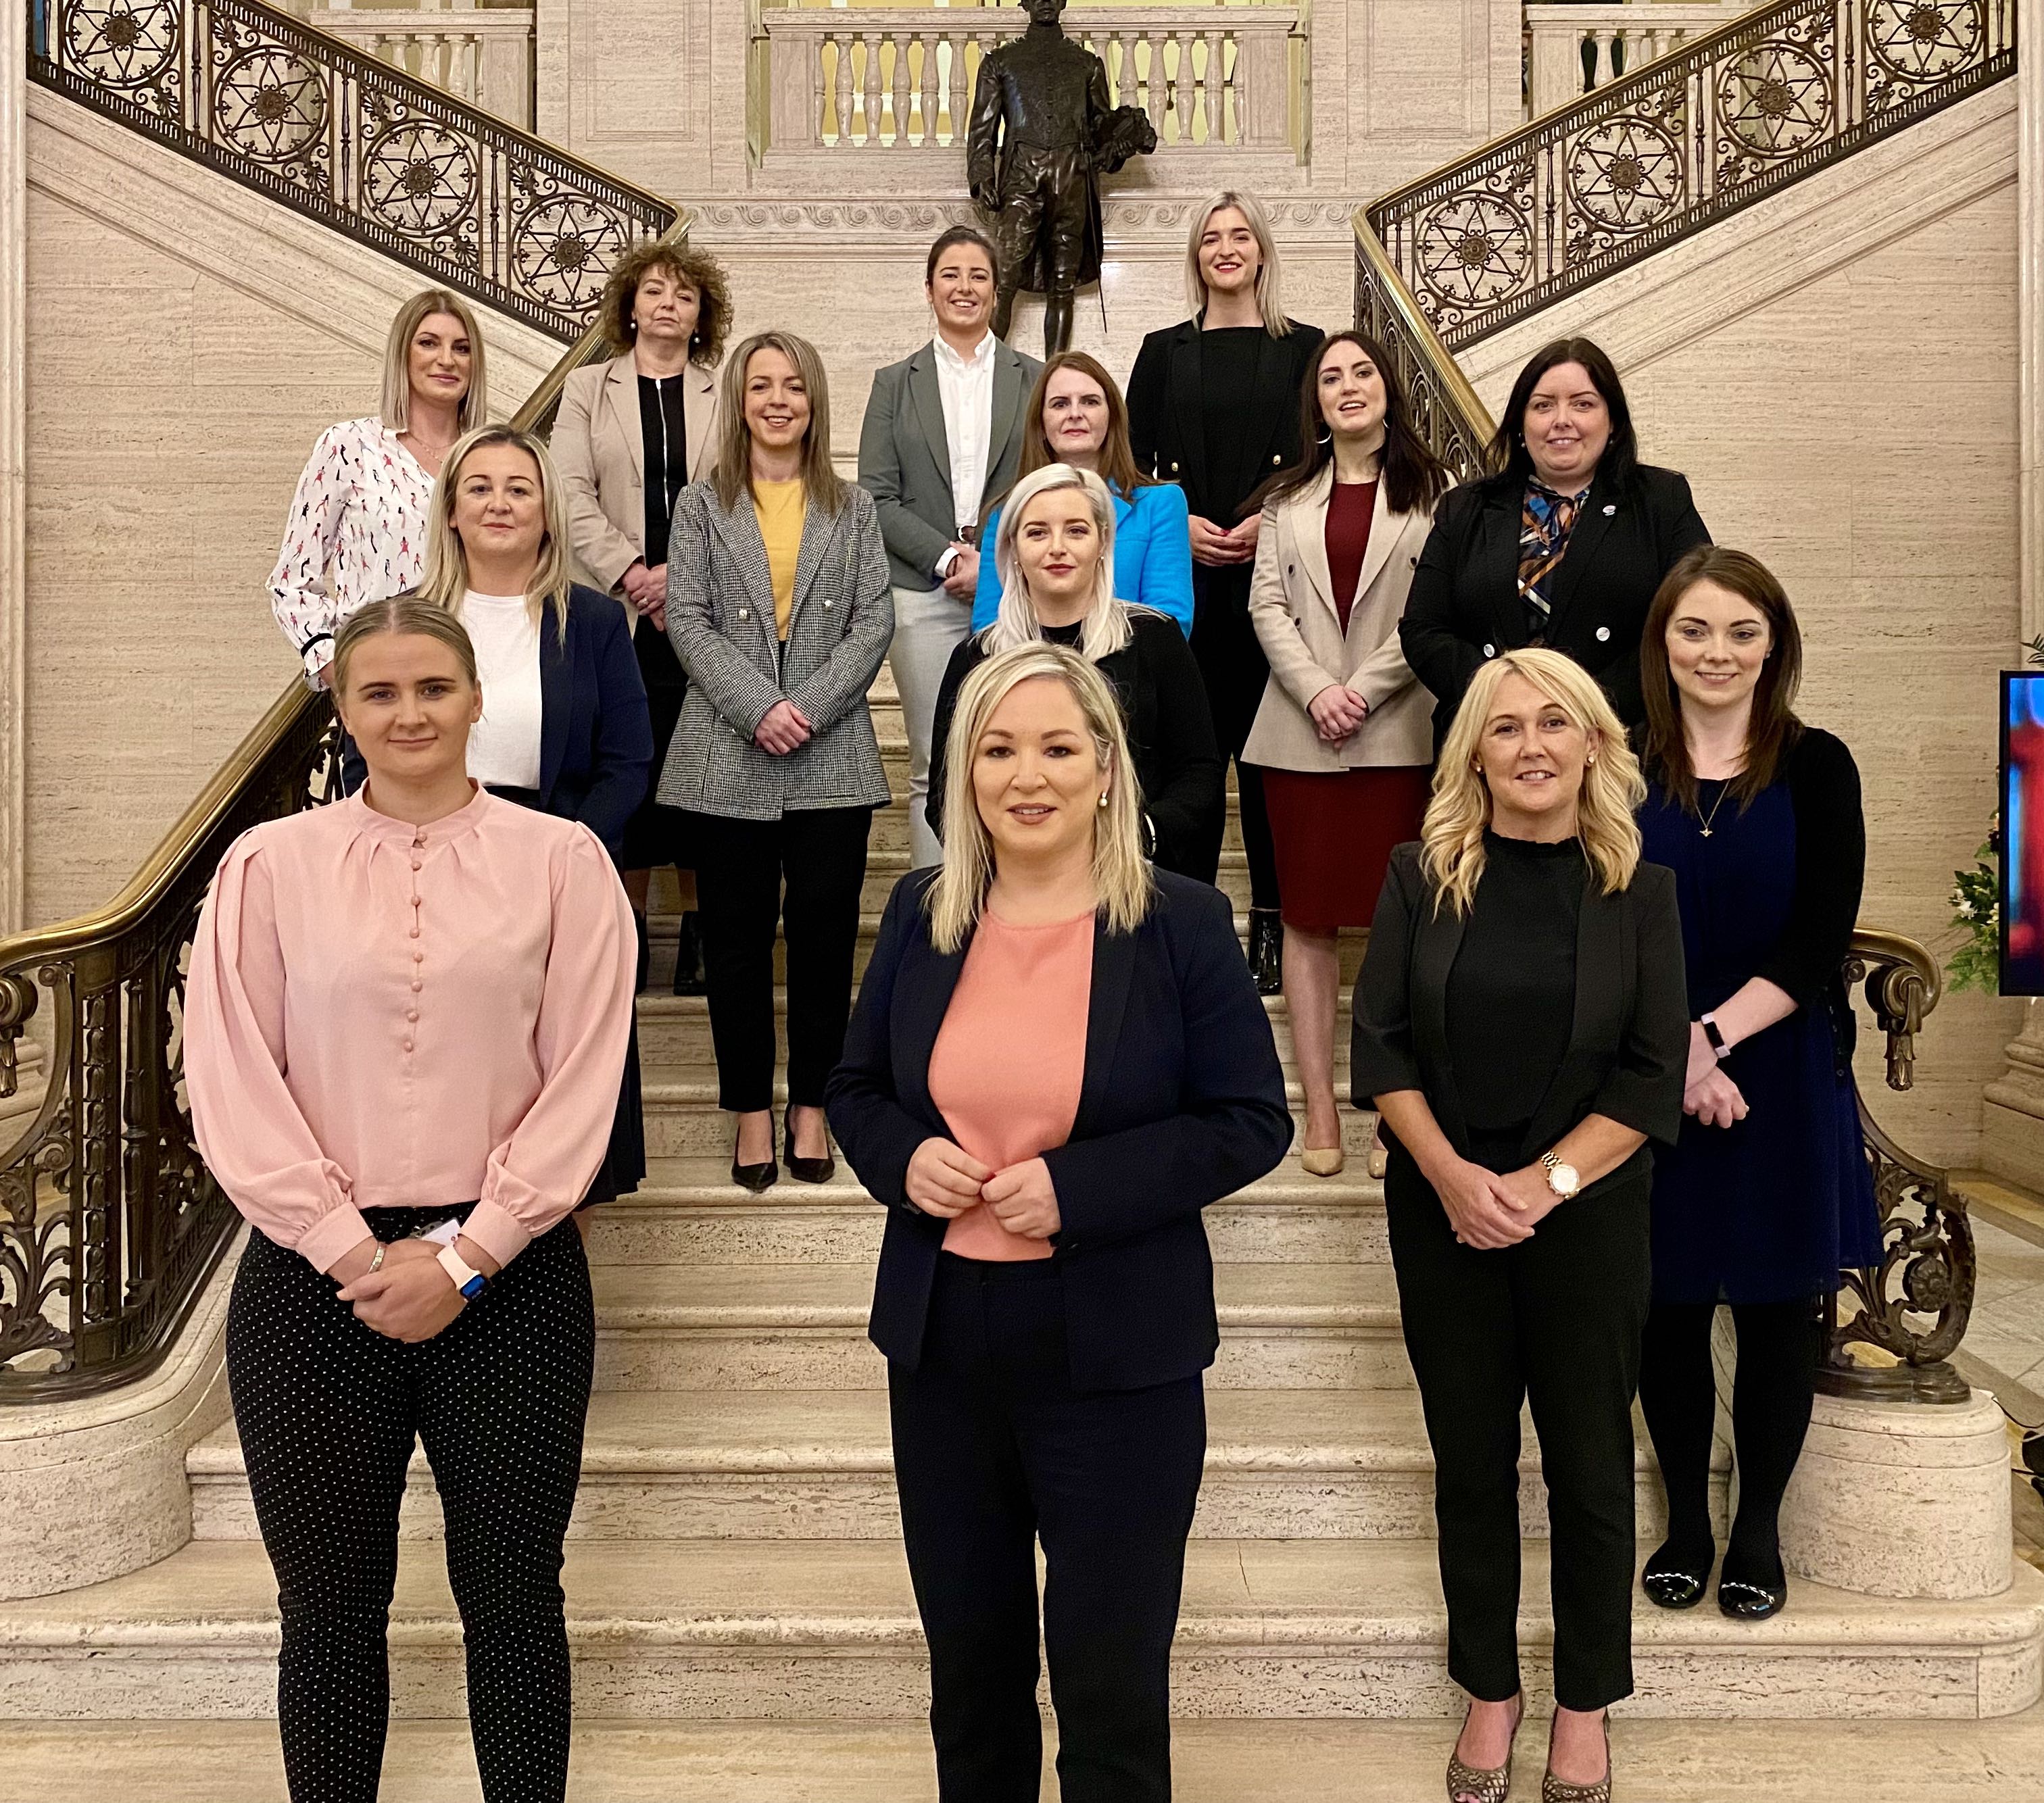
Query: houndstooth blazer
(720, 620)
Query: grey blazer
(904, 457)
(720, 620)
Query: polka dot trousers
(329, 1411)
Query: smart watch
(1715, 1035)
(465, 1277)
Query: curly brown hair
(700, 270)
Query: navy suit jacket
(1183, 1103)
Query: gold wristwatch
(1562, 1178)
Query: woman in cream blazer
(1343, 738)
(630, 434)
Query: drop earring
(1103, 798)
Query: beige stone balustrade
(483, 56)
(1572, 49)
(1216, 80)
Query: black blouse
(1228, 397)
(664, 432)
(1517, 966)
(1170, 731)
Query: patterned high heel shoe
(1554, 1790)
(1480, 1784)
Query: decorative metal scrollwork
(124, 45)
(1776, 99)
(270, 104)
(1923, 40)
(563, 248)
(419, 179)
(1626, 174)
(1474, 249)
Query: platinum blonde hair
(1270, 299)
(446, 578)
(1452, 839)
(1122, 879)
(1105, 629)
(396, 412)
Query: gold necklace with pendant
(1716, 805)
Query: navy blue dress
(1768, 1209)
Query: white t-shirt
(504, 745)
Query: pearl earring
(1103, 798)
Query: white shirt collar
(982, 353)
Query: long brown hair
(1117, 457)
(732, 474)
(1774, 728)
(1413, 476)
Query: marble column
(14, 475)
(2012, 1127)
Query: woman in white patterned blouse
(357, 529)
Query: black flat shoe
(1266, 950)
(1745, 1601)
(1677, 1579)
(807, 1170)
(688, 957)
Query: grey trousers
(929, 627)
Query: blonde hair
(1121, 876)
(1269, 301)
(446, 579)
(1105, 628)
(396, 615)
(396, 412)
(1613, 787)
(732, 475)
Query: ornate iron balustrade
(1912, 1306)
(1676, 145)
(110, 1222)
(390, 160)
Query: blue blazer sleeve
(624, 728)
(1164, 581)
(986, 597)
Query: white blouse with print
(357, 534)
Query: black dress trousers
(1555, 1320)
(1236, 671)
(993, 1451)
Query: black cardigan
(1628, 1050)
(1464, 605)
(1182, 1103)
(1170, 733)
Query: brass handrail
(109, 1223)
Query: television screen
(2022, 833)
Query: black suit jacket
(1183, 1103)
(1629, 1043)
(1167, 423)
(1464, 606)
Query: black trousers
(993, 1451)
(329, 1411)
(1555, 1321)
(740, 865)
(1232, 662)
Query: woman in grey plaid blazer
(779, 608)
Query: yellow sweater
(779, 508)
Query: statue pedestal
(2012, 1111)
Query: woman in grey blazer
(779, 609)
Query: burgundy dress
(1335, 830)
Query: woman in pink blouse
(404, 1029)
(357, 531)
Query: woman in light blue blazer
(1075, 416)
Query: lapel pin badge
(1609, 508)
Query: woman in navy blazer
(1057, 1061)
(565, 728)
(1076, 416)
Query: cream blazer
(599, 448)
(1291, 602)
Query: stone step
(689, 1212)
(756, 1327)
(817, 1465)
(810, 1630)
(640, 1760)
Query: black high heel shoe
(807, 1170)
(754, 1177)
(1267, 949)
(1675, 1579)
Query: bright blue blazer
(1153, 557)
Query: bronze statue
(1044, 125)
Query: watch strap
(1711, 1032)
(463, 1276)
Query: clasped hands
(945, 1180)
(1217, 546)
(785, 729)
(1337, 711)
(1709, 1091)
(410, 1297)
(1489, 1208)
(646, 590)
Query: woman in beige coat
(1344, 735)
(631, 433)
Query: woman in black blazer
(565, 728)
(1564, 546)
(1213, 405)
(1521, 1026)
(1057, 1061)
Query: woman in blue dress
(1768, 1192)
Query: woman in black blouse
(1213, 405)
(1767, 1194)
(1564, 546)
(1520, 1027)
(1056, 554)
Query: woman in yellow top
(778, 608)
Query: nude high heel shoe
(1321, 1161)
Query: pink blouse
(1010, 1059)
(385, 1016)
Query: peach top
(385, 1016)
(1009, 1059)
